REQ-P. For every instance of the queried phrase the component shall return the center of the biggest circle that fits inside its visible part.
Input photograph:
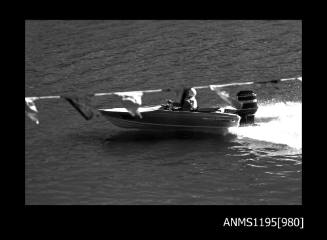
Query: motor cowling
(248, 106)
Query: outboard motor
(249, 106)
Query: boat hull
(156, 119)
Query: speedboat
(166, 118)
(158, 118)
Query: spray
(276, 122)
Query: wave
(276, 122)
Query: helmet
(192, 92)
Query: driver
(189, 102)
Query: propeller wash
(276, 122)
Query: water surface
(71, 161)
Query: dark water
(71, 161)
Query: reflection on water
(156, 168)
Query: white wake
(277, 122)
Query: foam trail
(279, 123)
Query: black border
(186, 219)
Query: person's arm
(195, 104)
